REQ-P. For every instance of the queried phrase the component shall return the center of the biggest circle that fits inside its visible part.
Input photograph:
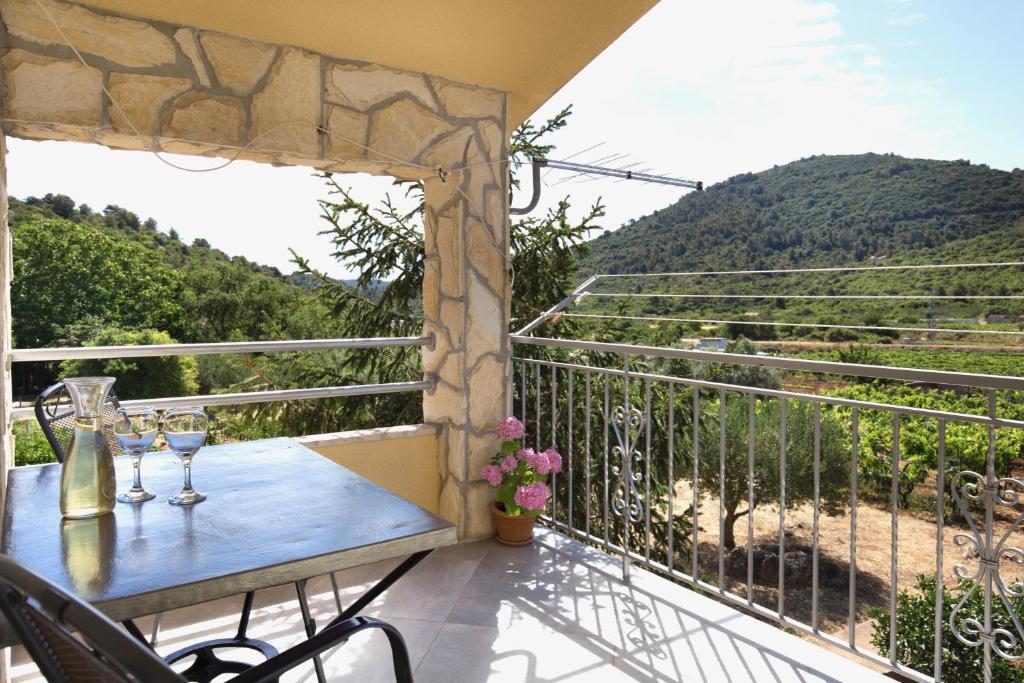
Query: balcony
(648, 567)
(634, 575)
(555, 610)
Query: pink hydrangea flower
(491, 473)
(508, 463)
(554, 459)
(524, 453)
(539, 462)
(510, 428)
(532, 497)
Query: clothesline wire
(911, 297)
(830, 269)
(941, 330)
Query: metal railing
(631, 437)
(140, 351)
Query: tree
(67, 271)
(741, 375)
(61, 204)
(117, 217)
(138, 377)
(833, 473)
(384, 244)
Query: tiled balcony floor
(552, 611)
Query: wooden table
(275, 513)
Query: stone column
(6, 267)
(466, 302)
(6, 392)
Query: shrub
(138, 377)
(915, 636)
(30, 446)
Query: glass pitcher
(87, 481)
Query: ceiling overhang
(527, 48)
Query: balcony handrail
(943, 377)
(644, 443)
(427, 385)
(989, 420)
(149, 350)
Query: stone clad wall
(193, 91)
(466, 302)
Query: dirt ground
(916, 554)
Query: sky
(699, 90)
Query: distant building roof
(712, 344)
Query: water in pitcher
(87, 481)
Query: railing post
(627, 472)
(6, 391)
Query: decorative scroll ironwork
(628, 502)
(1007, 640)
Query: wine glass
(185, 433)
(136, 429)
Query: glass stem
(187, 461)
(136, 475)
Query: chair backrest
(69, 640)
(56, 416)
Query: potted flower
(519, 475)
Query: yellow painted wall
(400, 459)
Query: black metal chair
(72, 642)
(56, 417)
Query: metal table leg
(310, 624)
(352, 610)
(381, 586)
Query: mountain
(823, 210)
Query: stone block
(451, 370)
(496, 207)
(431, 286)
(434, 358)
(400, 130)
(238, 63)
(123, 41)
(450, 506)
(493, 139)
(362, 86)
(205, 118)
(469, 101)
(186, 39)
(46, 90)
(457, 468)
(347, 138)
(484, 255)
(446, 405)
(49, 131)
(453, 314)
(485, 320)
(478, 517)
(449, 250)
(292, 93)
(486, 389)
(449, 151)
(141, 97)
(480, 451)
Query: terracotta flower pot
(513, 530)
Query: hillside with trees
(84, 277)
(818, 211)
(867, 211)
